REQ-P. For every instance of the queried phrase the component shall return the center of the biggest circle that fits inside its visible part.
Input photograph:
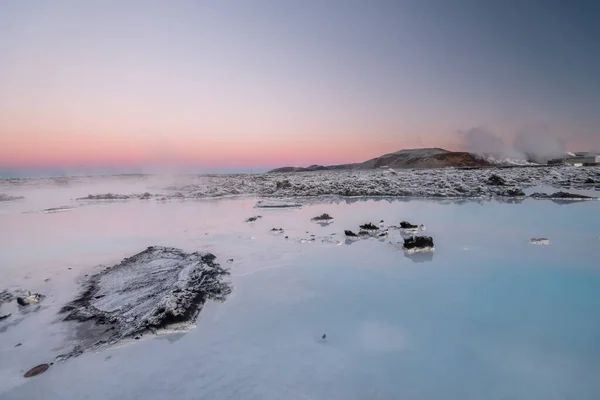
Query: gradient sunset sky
(233, 85)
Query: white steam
(531, 144)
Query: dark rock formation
(322, 217)
(285, 184)
(495, 180)
(3, 317)
(407, 225)
(418, 243)
(350, 233)
(158, 288)
(589, 181)
(369, 227)
(254, 219)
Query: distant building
(579, 160)
(583, 160)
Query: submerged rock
(106, 196)
(273, 204)
(322, 217)
(6, 197)
(560, 195)
(39, 369)
(369, 227)
(254, 219)
(540, 241)
(161, 287)
(418, 243)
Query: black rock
(589, 180)
(285, 184)
(277, 230)
(18, 344)
(324, 336)
(369, 227)
(418, 242)
(22, 302)
(323, 217)
(495, 180)
(253, 219)
(350, 233)
(3, 317)
(407, 225)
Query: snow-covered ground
(487, 315)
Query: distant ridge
(408, 158)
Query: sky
(239, 85)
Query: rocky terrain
(428, 183)
(158, 288)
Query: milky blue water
(488, 316)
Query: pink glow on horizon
(83, 151)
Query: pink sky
(94, 84)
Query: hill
(410, 158)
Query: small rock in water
(418, 243)
(47, 280)
(230, 260)
(36, 370)
(589, 181)
(323, 217)
(407, 225)
(324, 336)
(540, 241)
(254, 219)
(369, 227)
(278, 230)
(30, 299)
(2, 317)
(350, 233)
(18, 344)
